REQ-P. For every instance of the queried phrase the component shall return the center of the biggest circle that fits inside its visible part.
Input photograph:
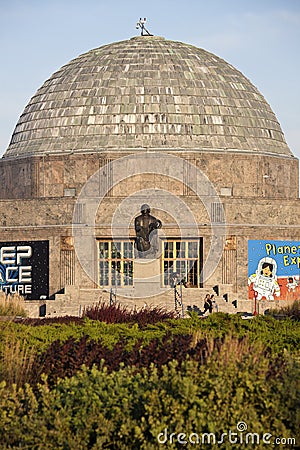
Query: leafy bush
(275, 334)
(104, 312)
(62, 320)
(117, 313)
(118, 385)
(129, 409)
(64, 359)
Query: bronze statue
(145, 225)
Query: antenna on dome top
(141, 24)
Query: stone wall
(259, 196)
(51, 219)
(232, 175)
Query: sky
(261, 38)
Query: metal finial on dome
(141, 24)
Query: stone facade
(233, 174)
(138, 99)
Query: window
(182, 257)
(116, 263)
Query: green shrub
(276, 334)
(128, 409)
(186, 376)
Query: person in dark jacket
(208, 305)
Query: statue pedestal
(147, 277)
(146, 268)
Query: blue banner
(274, 269)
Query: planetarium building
(163, 127)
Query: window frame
(176, 259)
(178, 255)
(111, 277)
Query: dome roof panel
(147, 92)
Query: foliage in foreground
(115, 313)
(175, 376)
(12, 305)
(60, 349)
(65, 359)
(120, 314)
(292, 311)
(40, 334)
(129, 408)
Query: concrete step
(74, 300)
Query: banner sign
(24, 268)
(274, 270)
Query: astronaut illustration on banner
(265, 279)
(292, 284)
